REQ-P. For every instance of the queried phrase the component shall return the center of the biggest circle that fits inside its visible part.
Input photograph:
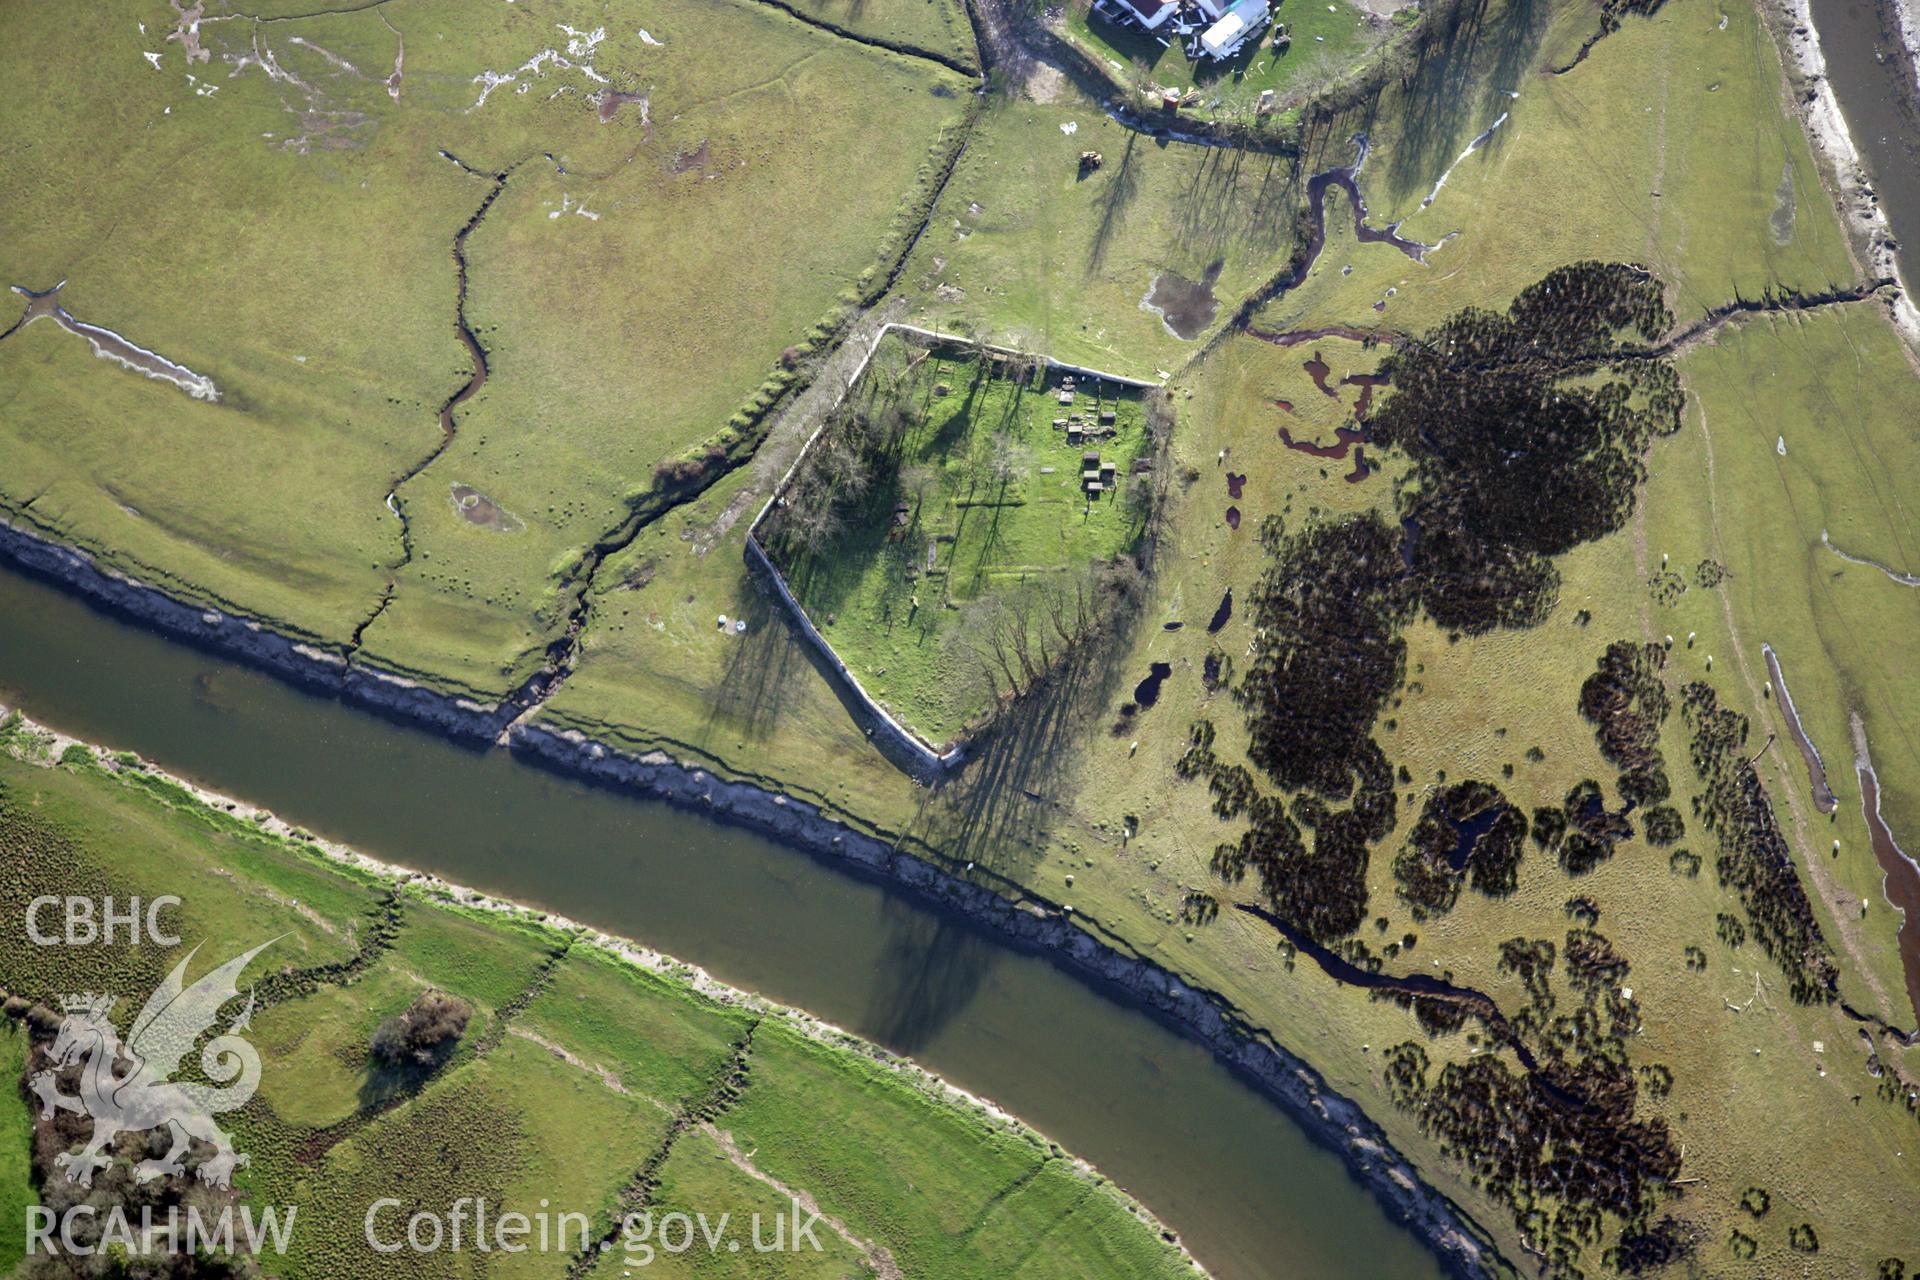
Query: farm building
(1145, 15)
(1235, 27)
(1215, 29)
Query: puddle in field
(1185, 306)
(689, 161)
(1223, 614)
(1823, 797)
(109, 345)
(1366, 382)
(611, 100)
(1234, 484)
(1348, 437)
(477, 508)
(1318, 369)
(1233, 517)
(1467, 833)
(1147, 692)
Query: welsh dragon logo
(144, 1096)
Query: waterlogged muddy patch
(1347, 437)
(1185, 306)
(1823, 797)
(611, 100)
(1781, 220)
(109, 345)
(1318, 369)
(1147, 692)
(1901, 872)
(1223, 614)
(477, 508)
(691, 161)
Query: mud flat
(1902, 884)
(1823, 797)
(109, 345)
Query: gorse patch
(1527, 433)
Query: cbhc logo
(83, 922)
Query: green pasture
(1669, 146)
(621, 340)
(624, 331)
(1028, 251)
(941, 530)
(938, 27)
(1003, 1205)
(702, 1173)
(16, 1156)
(1727, 160)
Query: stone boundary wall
(897, 742)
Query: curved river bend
(1250, 1195)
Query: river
(1874, 82)
(1249, 1193)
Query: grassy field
(16, 1157)
(585, 1082)
(603, 363)
(1328, 42)
(939, 27)
(1844, 632)
(1027, 251)
(601, 330)
(984, 498)
(1667, 147)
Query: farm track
(638, 1193)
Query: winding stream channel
(1248, 1192)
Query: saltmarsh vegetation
(534, 1066)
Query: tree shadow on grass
(1238, 200)
(997, 814)
(1000, 809)
(1112, 204)
(763, 668)
(1459, 85)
